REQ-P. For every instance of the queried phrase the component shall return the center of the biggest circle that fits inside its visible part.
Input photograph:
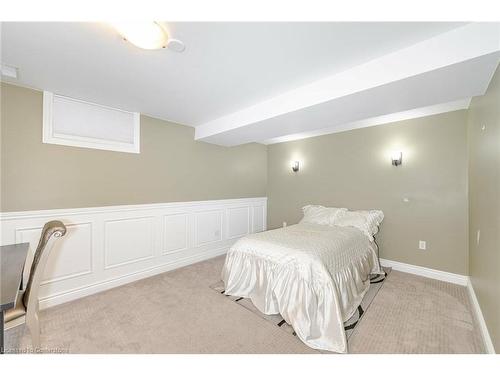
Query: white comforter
(315, 276)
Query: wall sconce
(397, 158)
(295, 166)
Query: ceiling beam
(401, 73)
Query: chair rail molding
(110, 246)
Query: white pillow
(315, 214)
(374, 218)
(366, 221)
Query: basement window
(71, 122)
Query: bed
(314, 275)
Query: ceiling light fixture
(145, 35)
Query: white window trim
(51, 137)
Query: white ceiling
(226, 68)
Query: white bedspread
(315, 276)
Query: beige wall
(484, 204)
(171, 165)
(346, 169)
(353, 169)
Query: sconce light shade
(295, 166)
(397, 158)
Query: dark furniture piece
(12, 259)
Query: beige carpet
(413, 314)
(177, 312)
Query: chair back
(50, 232)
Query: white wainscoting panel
(208, 227)
(259, 217)
(127, 241)
(175, 233)
(238, 222)
(109, 246)
(72, 260)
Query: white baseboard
(426, 272)
(488, 344)
(88, 290)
